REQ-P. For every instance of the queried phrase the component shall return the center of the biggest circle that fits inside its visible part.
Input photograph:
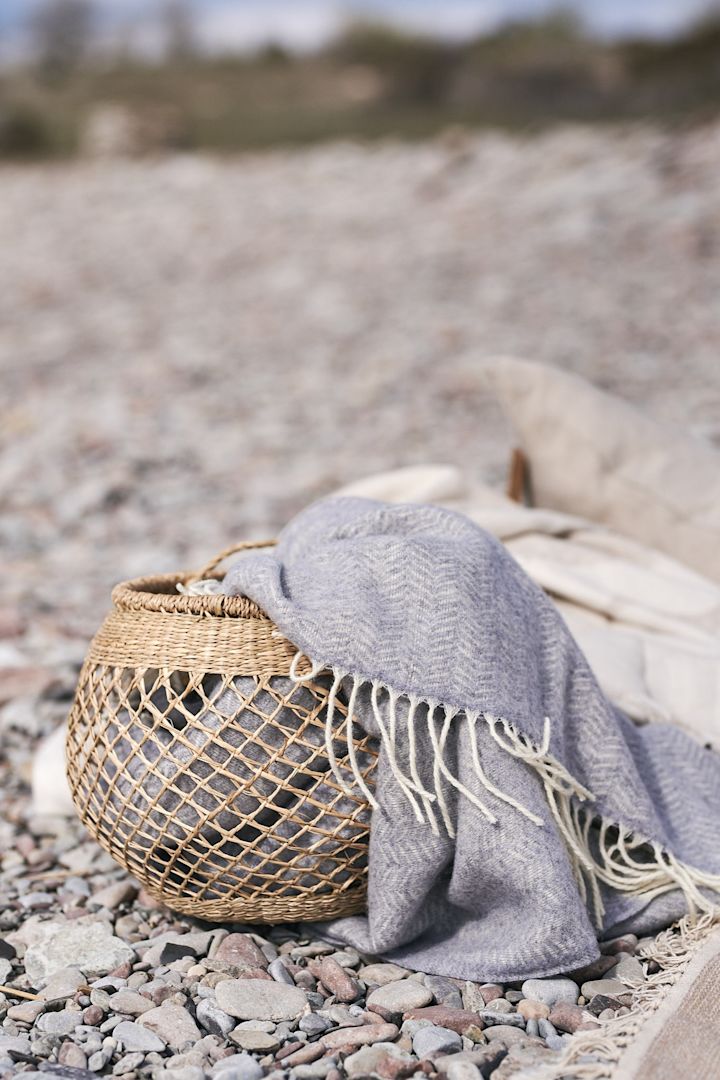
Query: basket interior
(213, 786)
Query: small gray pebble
(280, 973)
(237, 1067)
(99, 1060)
(212, 1018)
(430, 1041)
(554, 1042)
(314, 1024)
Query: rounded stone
(400, 997)
(258, 1042)
(260, 999)
(533, 1010)
(462, 1070)
(430, 1041)
(382, 974)
(130, 1003)
(213, 1019)
(132, 1037)
(87, 945)
(173, 1024)
(551, 991)
(63, 1022)
(368, 1060)
(237, 1067)
(629, 970)
(607, 987)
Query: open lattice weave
(201, 766)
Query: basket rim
(158, 593)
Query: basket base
(271, 911)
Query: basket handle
(244, 545)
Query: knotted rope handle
(244, 545)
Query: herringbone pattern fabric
(495, 852)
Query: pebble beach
(191, 349)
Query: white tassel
(352, 753)
(487, 784)
(405, 785)
(315, 668)
(437, 771)
(449, 715)
(428, 797)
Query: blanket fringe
(594, 1055)
(600, 852)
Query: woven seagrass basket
(200, 764)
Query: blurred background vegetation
(66, 96)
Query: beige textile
(596, 455)
(682, 1038)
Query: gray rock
(400, 997)
(431, 1041)
(499, 1005)
(366, 1060)
(213, 1019)
(36, 901)
(113, 895)
(462, 1070)
(133, 1037)
(260, 999)
(550, 991)
(59, 1023)
(508, 1035)
(382, 974)
(314, 1024)
(87, 944)
(109, 982)
(315, 1070)
(99, 1060)
(173, 1024)
(555, 1042)
(129, 1063)
(606, 987)
(237, 1067)
(63, 984)
(265, 1025)
(444, 992)
(258, 1042)
(629, 970)
(545, 1028)
(280, 973)
(130, 1003)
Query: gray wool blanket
(517, 815)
